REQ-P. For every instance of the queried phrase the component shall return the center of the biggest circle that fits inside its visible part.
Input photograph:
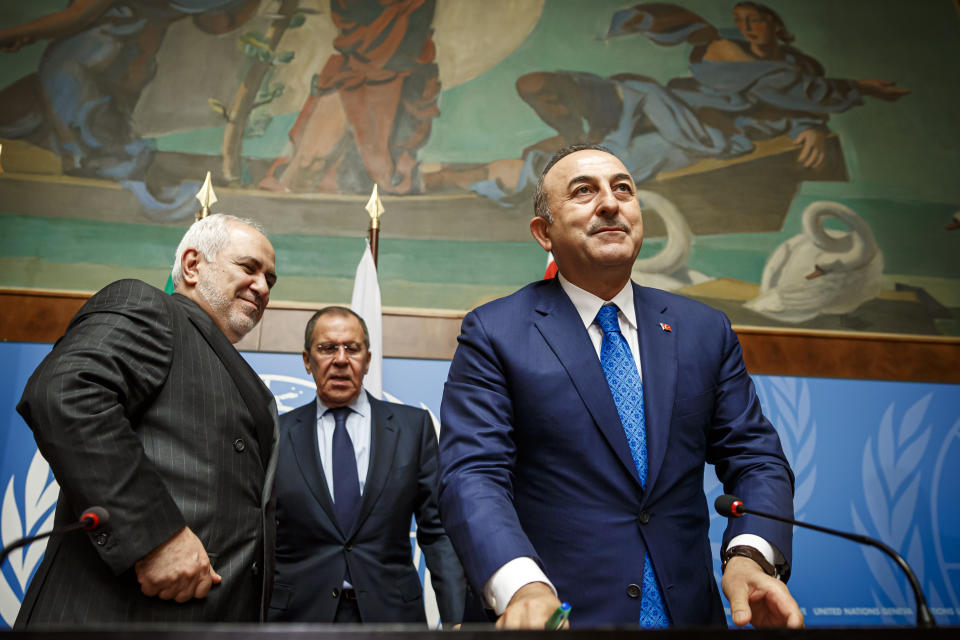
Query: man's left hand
(758, 598)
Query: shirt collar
(588, 305)
(360, 405)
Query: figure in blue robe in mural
(80, 101)
(747, 84)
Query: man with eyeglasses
(352, 470)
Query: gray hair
(208, 236)
(334, 310)
(541, 208)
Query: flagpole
(374, 238)
(365, 300)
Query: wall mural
(794, 159)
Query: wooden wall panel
(42, 316)
(845, 355)
(36, 316)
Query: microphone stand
(924, 617)
(92, 519)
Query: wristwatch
(753, 554)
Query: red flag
(551, 271)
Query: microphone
(732, 507)
(92, 519)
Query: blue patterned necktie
(624, 381)
(346, 480)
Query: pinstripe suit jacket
(144, 407)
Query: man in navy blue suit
(575, 435)
(352, 471)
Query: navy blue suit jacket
(312, 552)
(534, 460)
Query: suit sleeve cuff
(508, 579)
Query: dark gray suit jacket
(313, 553)
(144, 407)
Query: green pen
(556, 620)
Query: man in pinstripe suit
(146, 408)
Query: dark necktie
(620, 369)
(346, 480)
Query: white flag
(366, 304)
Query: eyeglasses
(332, 349)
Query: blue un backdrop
(870, 457)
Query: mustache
(256, 299)
(616, 223)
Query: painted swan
(821, 270)
(668, 268)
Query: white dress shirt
(508, 579)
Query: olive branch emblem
(891, 475)
(40, 492)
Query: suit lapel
(271, 473)
(658, 358)
(561, 327)
(255, 395)
(383, 447)
(303, 437)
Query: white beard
(240, 321)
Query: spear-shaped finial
(375, 208)
(207, 197)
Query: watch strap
(753, 554)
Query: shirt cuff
(508, 579)
(770, 552)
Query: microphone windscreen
(96, 517)
(725, 506)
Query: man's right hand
(178, 569)
(529, 608)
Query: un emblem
(39, 497)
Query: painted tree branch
(243, 101)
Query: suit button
(644, 517)
(349, 547)
(100, 539)
(255, 569)
(633, 590)
(239, 445)
(335, 593)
